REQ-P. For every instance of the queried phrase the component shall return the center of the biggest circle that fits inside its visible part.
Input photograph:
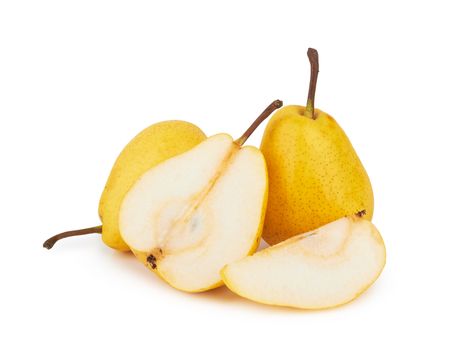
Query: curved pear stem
(313, 56)
(85, 231)
(264, 115)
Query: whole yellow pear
(315, 175)
(150, 147)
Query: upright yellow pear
(315, 175)
(150, 147)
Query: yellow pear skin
(315, 175)
(150, 147)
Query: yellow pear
(315, 175)
(150, 147)
(192, 214)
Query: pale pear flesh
(320, 269)
(196, 212)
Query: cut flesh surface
(196, 212)
(319, 269)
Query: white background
(78, 79)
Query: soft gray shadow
(222, 295)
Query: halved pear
(192, 214)
(323, 268)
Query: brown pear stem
(313, 56)
(85, 231)
(264, 115)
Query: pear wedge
(192, 214)
(320, 269)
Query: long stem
(264, 115)
(85, 231)
(313, 56)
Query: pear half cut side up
(192, 214)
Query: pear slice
(192, 214)
(319, 269)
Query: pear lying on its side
(150, 147)
(319, 269)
